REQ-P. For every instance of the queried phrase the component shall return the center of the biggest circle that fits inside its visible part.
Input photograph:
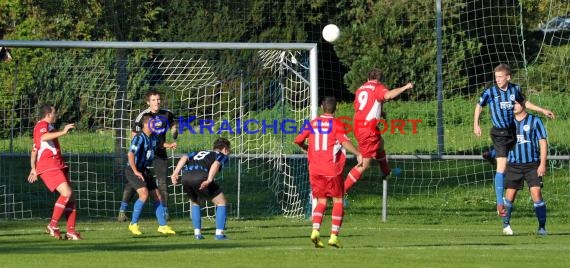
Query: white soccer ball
(331, 33)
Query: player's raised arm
(391, 94)
(539, 109)
(54, 135)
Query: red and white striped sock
(58, 209)
(353, 176)
(318, 215)
(71, 214)
(337, 214)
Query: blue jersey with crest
(143, 146)
(501, 104)
(529, 132)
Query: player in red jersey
(46, 161)
(326, 161)
(368, 107)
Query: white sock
(197, 231)
(219, 232)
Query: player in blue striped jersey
(501, 99)
(162, 120)
(200, 169)
(527, 161)
(140, 156)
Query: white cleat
(541, 232)
(507, 230)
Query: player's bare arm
(543, 144)
(33, 177)
(181, 163)
(131, 158)
(170, 145)
(211, 174)
(351, 148)
(539, 109)
(476, 116)
(54, 135)
(397, 91)
(174, 130)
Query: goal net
(448, 49)
(256, 95)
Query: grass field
(280, 242)
(440, 213)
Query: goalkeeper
(161, 121)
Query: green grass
(280, 242)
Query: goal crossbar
(311, 47)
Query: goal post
(279, 82)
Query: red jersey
(49, 154)
(326, 155)
(368, 102)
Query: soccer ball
(331, 33)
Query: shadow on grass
(128, 245)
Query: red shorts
(327, 186)
(370, 144)
(55, 177)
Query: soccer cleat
(501, 211)
(53, 231)
(122, 217)
(134, 228)
(333, 241)
(221, 237)
(541, 232)
(73, 236)
(316, 238)
(507, 230)
(165, 229)
(198, 237)
(487, 156)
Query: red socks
(353, 176)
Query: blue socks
(159, 212)
(137, 209)
(499, 187)
(196, 217)
(540, 211)
(220, 217)
(124, 206)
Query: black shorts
(503, 140)
(516, 174)
(191, 184)
(137, 183)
